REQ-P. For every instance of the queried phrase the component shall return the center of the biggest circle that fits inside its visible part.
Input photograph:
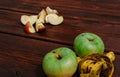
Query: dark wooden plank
(67, 31)
(101, 11)
(22, 57)
(16, 45)
(103, 1)
(16, 67)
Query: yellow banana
(111, 56)
(85, 64)
(85, 75)
(96, 69)
(90, 66)
(79, 59)
(96, 65)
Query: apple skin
(88, 43)
(60, 62)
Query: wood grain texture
(21, 54)
(101, 11)
(67, 31)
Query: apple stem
(90, 39)
(58, 56)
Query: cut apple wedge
(54, 19)
(41, 16)
(50, 11)
(39, 26)
(42, 13)
(33, 19)
(25, 19)
(29, 28)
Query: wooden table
(21, 54)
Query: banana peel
(97, 65)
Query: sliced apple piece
(39, 26)
(54, 19)
(42, 15)
(35, 23)
(49, 10)
(29, 28)
(25, 19)
(33, 19)
(51, 16)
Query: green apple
(60, 62)
(88, 43)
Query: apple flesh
(60, 62)
(29, 28)
(88, 43)
(54, 19)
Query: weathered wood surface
(21, 54)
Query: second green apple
(88, 43)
